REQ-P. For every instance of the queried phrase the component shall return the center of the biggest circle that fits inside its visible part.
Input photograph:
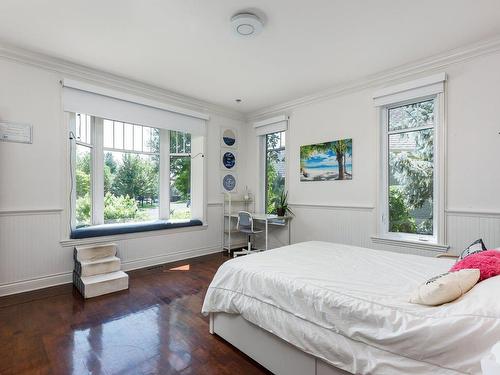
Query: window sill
(420, 245)
(115, 232)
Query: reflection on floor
(153, 328)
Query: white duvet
(348, 306)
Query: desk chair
(245, 225)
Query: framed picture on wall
(229, 138)
(328, 161)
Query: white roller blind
(409, 90)
(107, 104)
(271, 125)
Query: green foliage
(82, 174)
(116, 209)
(180, 175)
(136, 178)
(83, 210)
(133, 180)
(413, 171)
(122, 208)
(180, 214)
(82, 183)
(275, 185)
(399, 214)
(281, 203)
(110, 162)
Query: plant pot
(280, 211)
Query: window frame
(167, 168)
(438, 236)
(264, 164)
(97, 150)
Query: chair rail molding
(30, 211)
(334, 206)
(472, 212)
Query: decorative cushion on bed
(475, 247)
(445, 288)
(487, 262)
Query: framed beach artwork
(328, 161)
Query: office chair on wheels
(245, 225)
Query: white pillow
(445, 288)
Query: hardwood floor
(155, 327)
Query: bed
(324, 308)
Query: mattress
(348, 306)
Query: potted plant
(281, 204)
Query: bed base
(270, 351)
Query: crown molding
(427, 65)
(69, 69)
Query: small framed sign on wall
(12, 132)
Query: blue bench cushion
(112, 229)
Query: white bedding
(348, 306)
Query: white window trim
(164, 185)
(419, 90)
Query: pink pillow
(488, 263)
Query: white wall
(33, 177)
(33, 189)
(343, 211)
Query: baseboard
(168, 258)
(66, 278)
(34, 284)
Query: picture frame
(326, 161)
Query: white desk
(268, 219)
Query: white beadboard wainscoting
(355, 225)
(32, 255)
(466, 226)
(343, 224)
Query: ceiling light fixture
(246, 24)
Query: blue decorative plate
(229, 160)
(229, 182)
(228, 137)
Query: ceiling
(187, 46)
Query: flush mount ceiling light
(246, 24)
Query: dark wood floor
(153, 328)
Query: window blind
(409, 90)
(271, 125)
(112, 105)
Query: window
(83, 170)
(275, 169)
(131, 172)
(410, 201)
(180, 175)
(118, 172)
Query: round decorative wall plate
(228, 138)
(228, 159)
(229, 182)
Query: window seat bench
(122, 228)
